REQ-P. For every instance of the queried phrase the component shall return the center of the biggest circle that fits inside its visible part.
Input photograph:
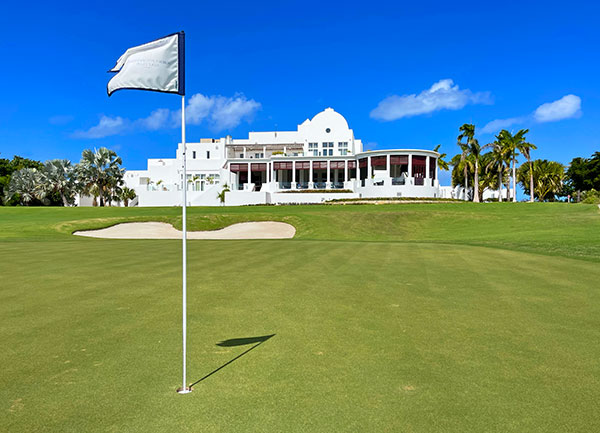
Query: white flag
(158, 66)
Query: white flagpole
(184, 388)
(161, 53)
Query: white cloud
(220, 112)
(229, 112)
(567, 107)
(158, 119)
(443, 95)
(105, 127)
(198, 108)
(498, 124)
(217, 112)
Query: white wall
(241, 198)
(388, 190)
(208, 197)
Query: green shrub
(590, 197)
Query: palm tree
(126, 195)
(466, 131)
(221, 195)
(548, 177)
(513, 143)
(441, 161)
(471, 147)
(552, 175)
(58, 177)
(525, 149)
(465, 166)
(460, 166)
(488, 173)
(495, 163)
(99, 174)
(475, 152)
(499, 158)
(25, 184)
(114, 190)
(505, 147)
(94, 190)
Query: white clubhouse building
(321, 160)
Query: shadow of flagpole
(232, 343)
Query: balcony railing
(338, 185)
(320, 185)
(302, 185)
(285, 185)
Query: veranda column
(293, 174)
(244, 151)
(388, 170)
(311, 182)
(328, 173)
(369, 169)
(410, 168)
(264, 151)
(345, 171)
(273, 174)
(427, 171)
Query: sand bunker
(154, 230)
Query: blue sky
(404, 75)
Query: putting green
(441, 317)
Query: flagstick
(184, 388)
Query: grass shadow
(233, 342)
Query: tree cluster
(56, 182)
(583, 178)
(496, 168)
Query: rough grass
(417, 318)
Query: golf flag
(157, 66)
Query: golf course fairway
(449, 317)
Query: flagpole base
(186, 390)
